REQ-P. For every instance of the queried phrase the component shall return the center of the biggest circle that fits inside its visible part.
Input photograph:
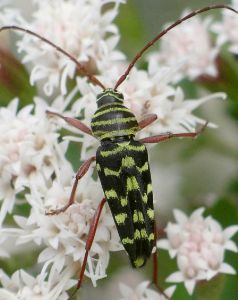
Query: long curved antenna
(192, 14)
(80, 67)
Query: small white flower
(22, 286)
(64, 236)
(143, 292)
(199, 244)
(29, 151)
(188, 45)
(82, 28)
(227, 28)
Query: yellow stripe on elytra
(110, 172)
(151, 237)
(132, 184)
(124, 202)
(140, 234)
(127, 240)
(137, 234)
(139, 262)
(145, 198)
(144, 234)
(127, 162)
(111, 109)
(111, 194)
(149, 188)
(120, 148)
(138, 217)
(144, 168)
(120, 218)
(150, 213)
(113, 121)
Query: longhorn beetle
(121, 161)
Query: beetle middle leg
(147, 120)
(81, 172)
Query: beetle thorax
(112, 119)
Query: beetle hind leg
(147, 120)
(90, 238)
(167, 136)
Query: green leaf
(224, 211)
(212, 289)
(226, 81)
(230, 290)
(131, 29)
(14, 80)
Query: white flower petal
(225, 268)
(190, 285)
(175, 277)
(179, 216)
(230, 231)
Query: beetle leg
(81, 172)
(73, 122)
(147, 120)
(90, 238)
(166, 136)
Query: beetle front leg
(71, 121)
(81, 172)
(166, 136)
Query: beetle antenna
(163, 32)
(80, 66)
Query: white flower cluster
(64, 236)
(23, 286)
(83, 28)
(189, 46)
(199, 245)
(142, 292)
(29, 154)
(226, 29)
(192, 47)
